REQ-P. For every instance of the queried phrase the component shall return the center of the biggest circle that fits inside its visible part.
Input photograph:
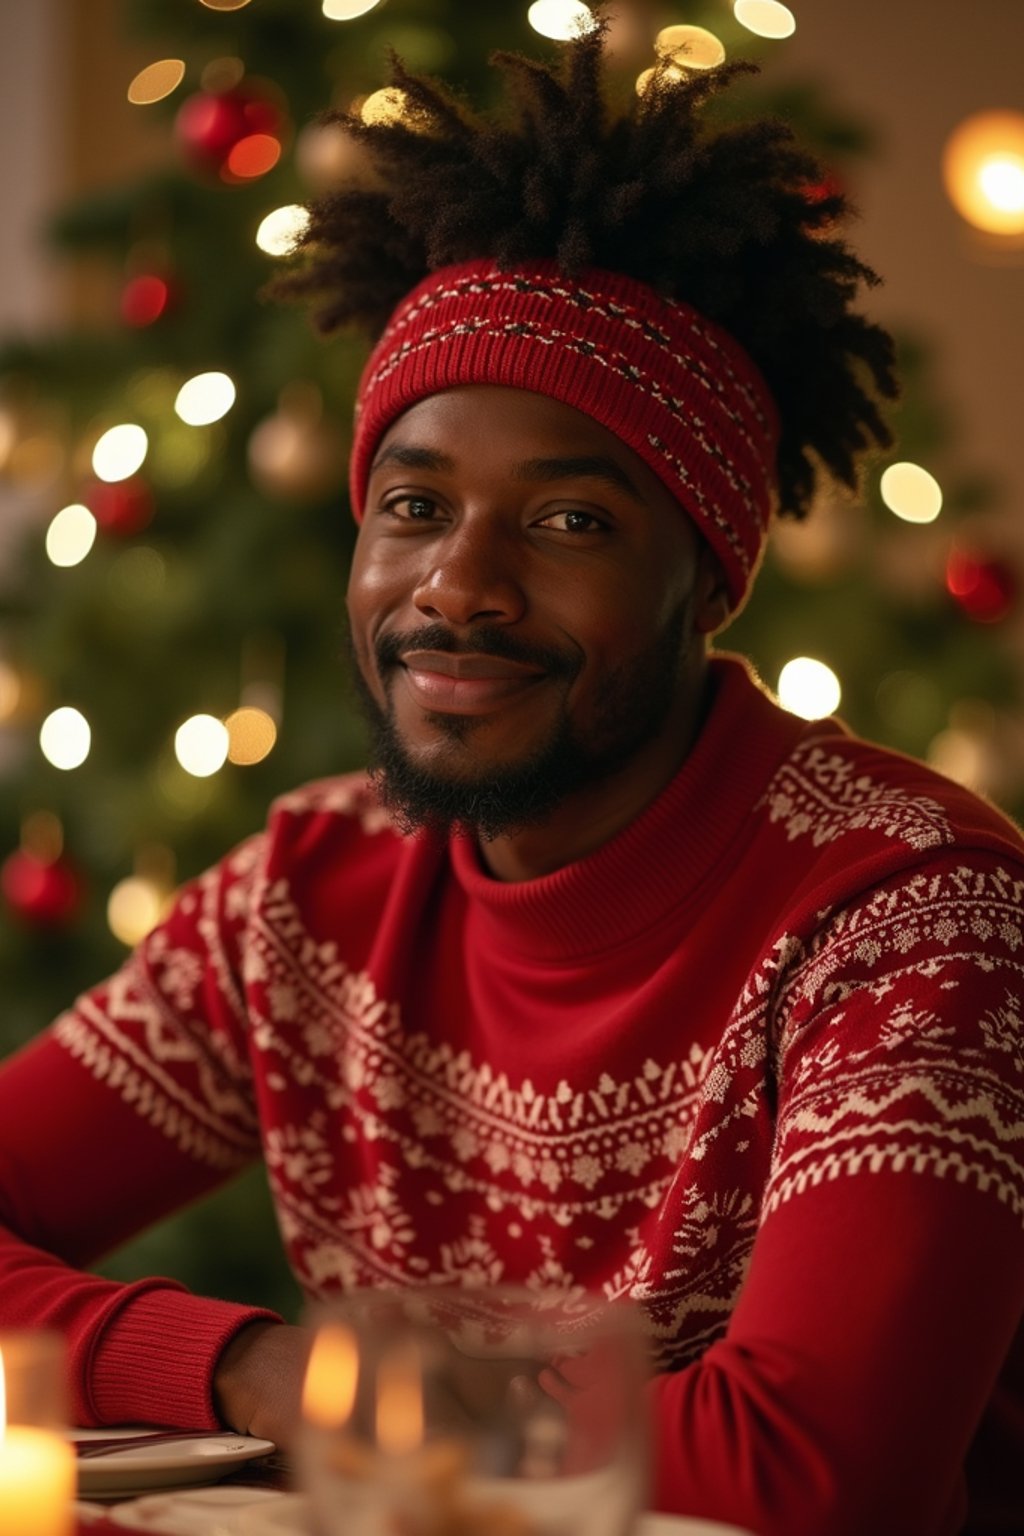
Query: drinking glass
(441, 1412)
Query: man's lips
(470, 683)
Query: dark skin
(500, 507)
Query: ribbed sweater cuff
(154, 1361)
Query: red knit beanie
(676, 389)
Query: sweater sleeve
(135, 1102)
(886, 1282)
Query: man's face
(525, 606)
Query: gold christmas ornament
(297, 454)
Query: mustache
(482, 640)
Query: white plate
(289, 1515)
(175, 1464)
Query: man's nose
(471, 575)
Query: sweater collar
(658, 861)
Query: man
(613, 975)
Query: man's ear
(710, 593)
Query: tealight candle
(37, 1466)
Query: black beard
(632, 708)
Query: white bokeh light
(134, 908)
(201, 745)
(120, 452)
(204, 399)
(347, 10)
(808, 688)
(281, 230)
(561, 20)
(911, 492)
(71, 535)
(1001, 179)
(765, 18)
(65, 738)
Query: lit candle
(37, 1477)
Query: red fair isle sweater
(757, 1062)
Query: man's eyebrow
(412, 458)
(583, 466)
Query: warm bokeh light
(144, 299)
(134, 908)
(280, 231)
(201, 745)
(690, 47)
(666, 72)
(561, 20)
(399, 1416)
(808, 688)
(252, 156)
(332, 1376)
(10, 690)
(983, 168)
(204, 399)
(911, 492)
(65, 738)
(156, 81)
(251, 735)
(120, 452)
(765, 18)
(71, 535)
(388, 105)
(224, 5)
(347, 10)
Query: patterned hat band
(675, 388)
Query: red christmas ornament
(123, 508)
(44, 893)
(145, 298)
(210, 124)
(983, 586)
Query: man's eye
(416, 508)
(572, 521)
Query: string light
(156, 81)
(205, 399)
(690, 47)
(765, 18)
(251, 735)
(65, 738)
(347, 10)
(983, 168)
(280, 232)
(71, 535)
(119, 452)
(201, 745)
(911, 493)
(561, 20)
(808, 688)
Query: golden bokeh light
(134, 908)
(665, 72)
(561, 20)
(348, 10)
(222, 74)
(120, 452)
(690, 47)
(251, 735)
(10, 691)
(65, 738)
(201, 745)
(71, 535)
(224, 5)
(808, 688)
(911, 492)
(388, 105)
(156, 81)
(332, 1376)
(205, 399)
(765, 18)
(983, 168)
(281, 230)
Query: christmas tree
(171, 653)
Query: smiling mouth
(468, 684)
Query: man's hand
(257, 1382)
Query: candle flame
(400, 1401)
(329, 1388)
